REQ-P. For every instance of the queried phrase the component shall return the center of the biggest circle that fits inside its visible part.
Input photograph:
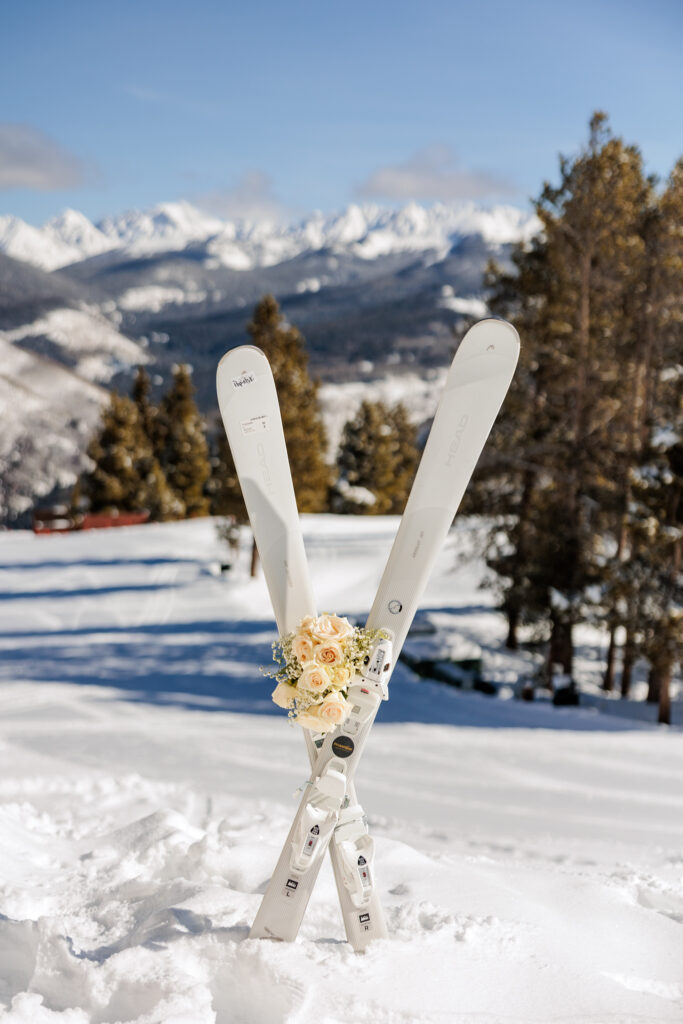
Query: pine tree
(126, 476)
(656, 309)
(652, 576)
(570, 300)
(588, 490)
(377, 460)
(140, 395)
(305, 436)
(159, 499)
(366, 461)
(524, 435)
(647, 580)
(180, 444)
(223, 488)
(115, 483)
(405, 454)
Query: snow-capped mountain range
(377, 293)
(366, 231)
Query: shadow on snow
(214, 665)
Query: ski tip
(239, 367)
(492, 335)
(496, 326)
(240, 352)
(239, 370)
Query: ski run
(527, 858)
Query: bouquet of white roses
(316, 664)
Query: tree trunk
(649, 334)
(608, 679)
(584, 347)
(627, 664)
(511, 641)
(664, 714)
(515, 602)
(622, 543)
(654, 684)
(561, 651)
(254, 559)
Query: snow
(164, 228)
(34, 245)
(38, 399)
(310, 284)
(467, 307)
(154, 297)
(529, 858)
(50, 406)
(79, 235)
(366, 231)
(86, 336)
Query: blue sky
(267, 106)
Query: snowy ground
(530, 859)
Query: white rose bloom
(328, 653)
(332, 627)
(284, 695)
(307, 625)
(312, 719)
(314, 679)
(341, 677)
(302, 649)
(334, 709)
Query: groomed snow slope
(529, 858)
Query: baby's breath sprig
(288, 669)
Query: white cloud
(252, 198)
(433, 173)
(29, 159)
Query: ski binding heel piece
(318, 818)
(356, 851)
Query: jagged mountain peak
(78, 236)
(365, 230)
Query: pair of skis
(329, 815)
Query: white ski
(251, 415)
(476, 385)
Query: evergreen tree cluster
(377, 456)
(377, 461)
(158, 457)
(589, 480)
(149, 457)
